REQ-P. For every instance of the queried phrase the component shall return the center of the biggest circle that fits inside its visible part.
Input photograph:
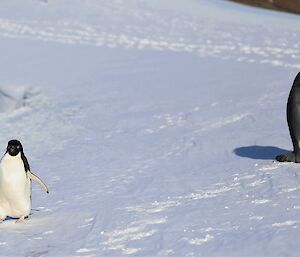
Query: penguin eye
(18, 147)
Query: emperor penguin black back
(293, 120)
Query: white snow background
(154, 123)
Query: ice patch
(269, 167)
(48, 232)
(224, 121)
(85, 250)
(200, 241)
(260, 201)
(256, 218)
(119, 239)
(288, 190)
(211, 193)
(257, 183)
(172, 202)
(286, 223)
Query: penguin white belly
(15, 188)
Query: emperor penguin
(293, 120)
(15, 183)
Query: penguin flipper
(37, 179)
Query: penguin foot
(2, 218)
(281, 158)
(21, 219)
(290, 157)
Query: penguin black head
(14, 147)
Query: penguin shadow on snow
(259, 152)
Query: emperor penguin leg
(297, 157)
(293, 156)
(297, 151)
(290, 157)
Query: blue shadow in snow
(259, 152)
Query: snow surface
(154, 124)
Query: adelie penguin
(293, 120)
(15, 183)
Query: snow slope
(154, 124)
